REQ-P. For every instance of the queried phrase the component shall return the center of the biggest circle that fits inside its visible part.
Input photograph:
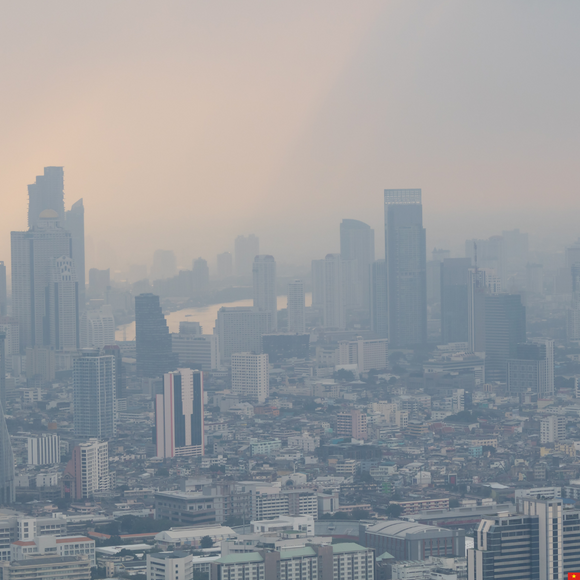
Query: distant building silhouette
(46, 193)
(357, 242)
(225, 265)
(246, 249)
(3, 290)
(34, 271)
(200, 275)
(75, 224)
(505, 328)
(454, 293)
(333, 307)
(405, 254)
(164, 265)
(264, 283)
(153, 342)
(379, 303)
(296, 307)
(532, 370)
(7, 490)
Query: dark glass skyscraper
(46, 193)
(406, 263)
(154, 356)
(454, 292)
(505, 328)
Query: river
(205, 315)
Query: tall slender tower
(296, 318)
(94, 385)
(333, 308)
(179, 415)
(405, 255)
(153, 341)
(264, 277)
(46, 193)
(379, 311)
(7, 491)
(454, 299)
(3, 293)
(357, 242)
(75, 224)
(33, 254)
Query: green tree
(206, 542)
(394, 510)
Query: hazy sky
(185, 123)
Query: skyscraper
(454, 307)
(357, 242)
(333, 306)
(75, 224)
(225, 265)
(33, 274)
(505, 328)
(179, 415)
(240, 329)
(530, 371)
(7, 491)
(200, 275)
(264, 279)
(405, 255)
(480, 284)
(317, 275)
(251, 376)
(3, 292)
(46, 193)
(88, 470)
(154, 356)
(573, 312)
(2, 369)
(63, 296)
(379, 304)
(94, 384)
(97, 327)
(246, 248)
(296, 306)
(120, 383)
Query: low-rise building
(47, 568)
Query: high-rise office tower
(357, 242)
(3, 290)
(532, 371)
(225, 265)
(333, 306)
(33, 275)
(434, 277)
(75, 224)
(405, 254)
(240, 329)
(264, 279)
(94, 385)
(200, 275)
(551, 549)
(9, 326)
(120, 383)
(379, 305)
(154, 355)
(454, 292)
(46, 193)
(251, 376)
(2, 369)
(296, 307)
(480, 284)
(7, 490)
(63, 297)
(505, 328)
(164, 265)
(97, 327)
(573, 312)
(506, 546)
(246, 248)
(317, 274)
(179, 415)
